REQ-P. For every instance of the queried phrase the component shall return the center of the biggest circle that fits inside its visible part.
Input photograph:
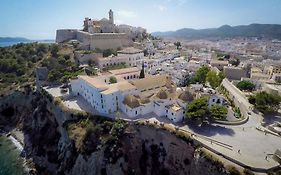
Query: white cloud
(162, 8)
(126, 14)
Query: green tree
(246, 85)
(234, 62)
(178, 44)
(214, 79)
(201, 74)
(218, 112)
(142, 75)
(54, 50)
(265, 102)
(198, 109)
(221, 76)
(108, 52)
(112, 80)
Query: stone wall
(92, 41)
(63, 35)
(109, 40)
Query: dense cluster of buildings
(167, 68)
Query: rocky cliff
(60, 141)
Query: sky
(39, 19)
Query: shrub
(233, 171)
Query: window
(136, 112)
(102, 106)
(101, 96)
(172, 113)
(166, 111)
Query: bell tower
(111, 19)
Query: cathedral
(100, 26)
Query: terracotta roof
(131, 101)
(150, 82)
(186, 96)
(123, 86)
(130, 50)
(144, 100)
(162, 94)
(93, 81)
(219, 62)
(124, 71)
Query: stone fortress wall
(92, 41)
(64, 35)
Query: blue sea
(6, 44)
(11, 163)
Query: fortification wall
(93, 41)
(109, 40)
(63, 35)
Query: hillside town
(225, 93)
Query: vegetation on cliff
(91, 134)
(18, 63)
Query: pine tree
(142, 71)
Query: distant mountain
(270, 31)
(13, 39)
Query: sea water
(6, 44)
(11, 163)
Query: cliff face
(147, 150)
(138, 150)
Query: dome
(104, 19)
(144, 100)
(131, 101)
(162, 94)
(186, 96)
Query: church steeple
(111, 19)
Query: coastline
(17, 138)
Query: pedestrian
(266, 157)
(239, 151)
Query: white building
(134, 97)
(216, 100)
(130, 57)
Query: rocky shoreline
(17, 138)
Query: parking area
(56, 91)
